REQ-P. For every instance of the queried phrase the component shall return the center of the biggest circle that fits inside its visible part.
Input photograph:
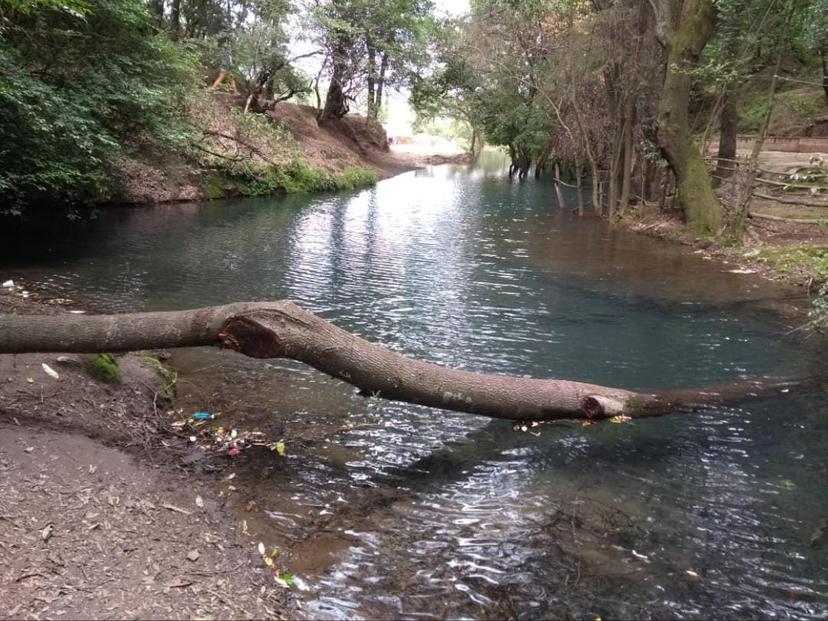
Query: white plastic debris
(9, 284)
(49, 371)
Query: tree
(370, 45)
(80, 84)
(282, 329)
(683, 27)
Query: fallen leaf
(280, 448)
(621, 418)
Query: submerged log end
(250, 338)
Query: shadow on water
(391, 510)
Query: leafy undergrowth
(794, 110)
(804, 261)
(251, 155)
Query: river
(390, 510)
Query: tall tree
(684, 27)
(370, 45)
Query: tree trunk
(284, 330)
(175, 18)
(372, 79)
(728, 120)
(158, 11)
(476, 143)
(380, 85)
(824, 58)
(559, 187)
(336, 102)
(684, 28)
(596, 187)
(626, 168)
(580, 197)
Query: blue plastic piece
(201, 416)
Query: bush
(77, 88)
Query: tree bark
(175, 18)
(684, 27)
(336, 101)
(626, 168)
(579, 195)
(372, 79)
(284, 330)
(728, 119)
(558, 188)
(380, 85)
(824, 58)
(157, 8)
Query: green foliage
(374, 45)
(793, 109)
(77, 90)
(27, 6)
(295, 177)
(810, 261)
(352, 178)
(105, 368)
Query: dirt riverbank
(275, 139)
(102, 512)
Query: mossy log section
(284, 330)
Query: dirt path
(99, 517)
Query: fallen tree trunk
(284, 330)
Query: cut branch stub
(250, 338)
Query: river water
(390, 510)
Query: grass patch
(793, 109)
(251, 179)
(810, 262)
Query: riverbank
(282, 149)
(790, 251)
(106, 511)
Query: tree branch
(283, 329)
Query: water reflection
(395, 510)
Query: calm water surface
(385, 509)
